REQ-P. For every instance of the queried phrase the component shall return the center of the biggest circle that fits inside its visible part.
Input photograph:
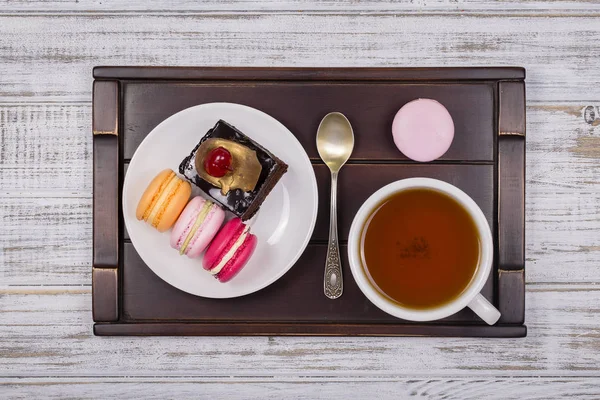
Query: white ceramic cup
(470, 297)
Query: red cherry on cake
(217, 162)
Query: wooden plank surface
(45, 240)
(464, 6)
(47, 50)
(336, 388)
(47, 332)
(46, 150)
(35, 47)
(370, 106)
(143, 294)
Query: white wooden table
(47, 50)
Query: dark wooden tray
(486, 160)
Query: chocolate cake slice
(243, 203)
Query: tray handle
(511, 201)
(105, 262)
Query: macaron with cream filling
(163, 200)
(230, 250)
(196, 227)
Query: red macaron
(230, 250)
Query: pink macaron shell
(221, 243)
(206, 232)
(423, 130)
(238, 260)
(185, 221)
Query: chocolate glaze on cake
(243, 204)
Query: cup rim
(393, 308)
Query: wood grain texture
(106, 192)
(46, 150)
(214, 329)
(302, 388)
(511, 118)
(286, 301)
(314, 74)
(504, 6)
(45, 195)
(511, 202)
(45, 241)
(105, 294)
(47, 332)
(371, 107)
(511, 296)
(561, 187)
(34, 47)
(49, 176)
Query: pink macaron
(230, 250)
(196, 227)
(423, 130)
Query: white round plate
(282, 234)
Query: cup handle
(486, 311)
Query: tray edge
(318, 74)
(280, 329)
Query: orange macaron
(163, 200)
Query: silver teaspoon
(335, 142)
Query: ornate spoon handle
(333, 282)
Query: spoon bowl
(335, 140)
